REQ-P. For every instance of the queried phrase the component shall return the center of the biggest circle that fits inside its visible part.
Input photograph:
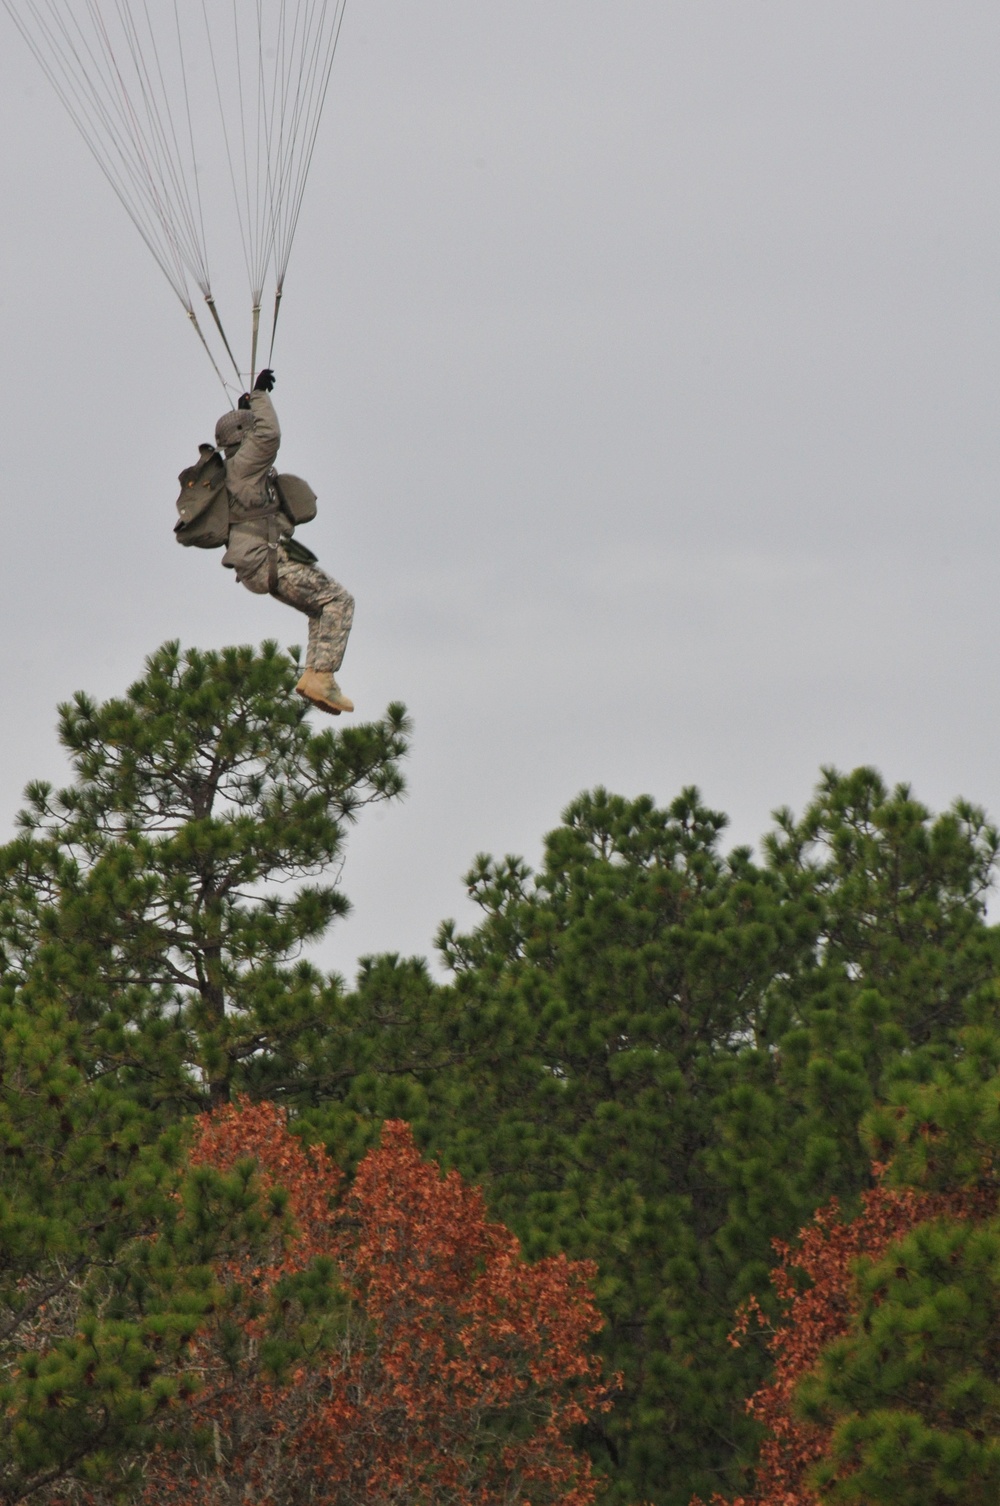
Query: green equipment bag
(203, 504)
(297, 498)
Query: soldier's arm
(259, 450)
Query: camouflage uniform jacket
(252, 499)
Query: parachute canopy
(203, 116)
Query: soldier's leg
(328, 605)
(329, 632)
(330, 609)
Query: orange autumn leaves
(390, 1345)
(813, 1315)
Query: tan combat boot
(319, 687)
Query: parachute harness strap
(272, 554)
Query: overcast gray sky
(646, 358)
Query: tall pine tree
(152, 914)
(169, 891)
(669, 1052)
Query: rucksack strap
(272, 553)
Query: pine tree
(913, 1390)
(151, 919)
(167, 893)
(886, 1389)
(668, 1054)
(615, 1002)
(654, 1055)
(910, 1395)
(105, 1260)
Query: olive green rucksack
(203, 504)
(297, 498)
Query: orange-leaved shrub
(391, 1346)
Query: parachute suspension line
(161, 133)
(298, 97)
(321, 69)
(60, 60)
(251, 240)
(151, 147)
(251, 162)
(274, 109)
(284, 60)
(284, 56)
(263, 200)
(278, 108)
(292, 122)
(190, 126)
(181, 200)
(225, 134)
(132, 77)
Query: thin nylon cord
(274, 325)
(151, 145)
(122, 70)
(225, 137)
(92, 118)
(190, 126)
(307, 134)
(178, 179)
(141, 153)
(312, 137)
(81, 108)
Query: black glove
(244, 401)
(265, 381)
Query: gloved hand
(265, 381)
(244, 401)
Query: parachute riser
(274, 321)
(208, 349)
(218, 324)
(253, 343)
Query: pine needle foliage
(167, 893)
(885, 1389)
(670, 1053)
(152, 918)
(655, 1055)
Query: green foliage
(151, 917)
(940, 1128)
(166, 894)
(653, 1053)
(105, 1255)
(911, 1393)
(902, 960)
(389, 1046)
(914, 1390)
(667, 1056)
(611, 1001)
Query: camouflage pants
(328, 605)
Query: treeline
(654, 1054)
